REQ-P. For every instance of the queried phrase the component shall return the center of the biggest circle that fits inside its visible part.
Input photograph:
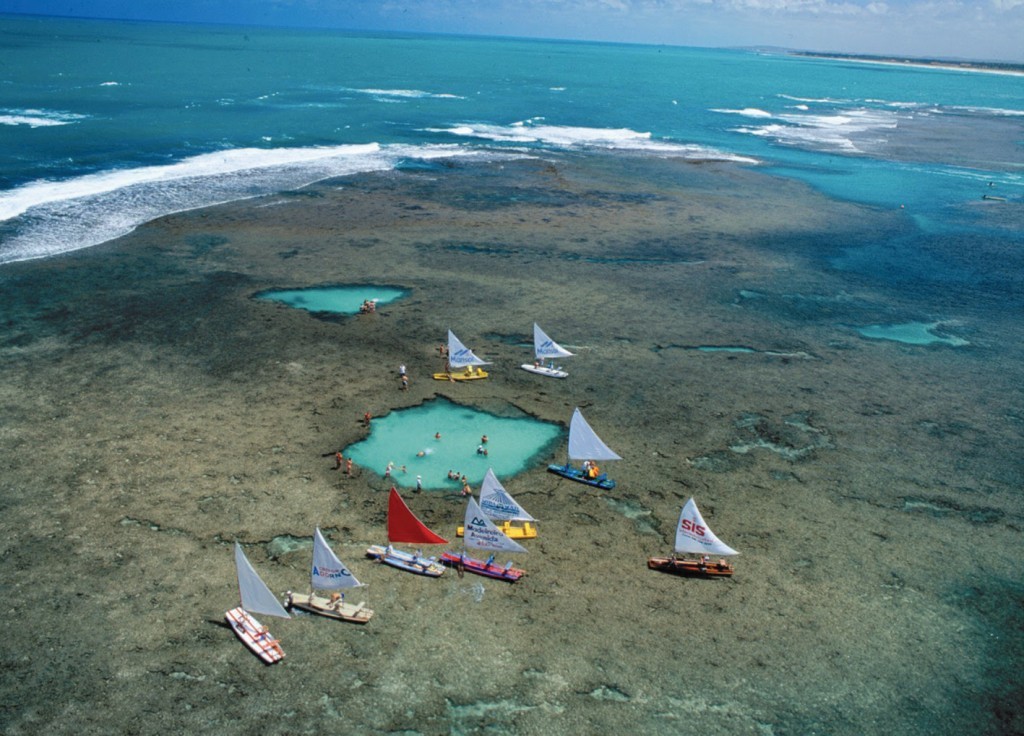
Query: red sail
(403, 526)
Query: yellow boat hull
(469, 374)
(526, 531)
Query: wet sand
(153, 413)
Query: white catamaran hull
(543, 370)
(254, 635)
(409, 562)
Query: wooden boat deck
(357, 613)
(691, 568)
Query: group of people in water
(340, 461)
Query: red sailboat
(405, 528)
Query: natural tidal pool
(333, 299)
(911, 333)
(408, 440)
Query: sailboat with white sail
(586, 446)
(329, 574)
(694, 536)
(405, 527)
(482, 534)
(255, 597)
(546, 349)
(461, 364)
(499, 506)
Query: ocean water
(108, 125)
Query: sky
(983, 30)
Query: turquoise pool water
(911, 333)
(334, 299)
(406, 438)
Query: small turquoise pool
(407, 439)
(911, 333)
(333, 299)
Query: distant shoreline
(964, 66)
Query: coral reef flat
(152, 412)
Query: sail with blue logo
(459, 356)
(545, 348)
(328, 571)
(496, 502)
(481, 533)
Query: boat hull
(691, 568)
(254, 635)
(568, 471)
(543, 370)
(357, 614)
(407, 561)
(480, 567)
(526, 531)
(469, 374)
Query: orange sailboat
(405, 528)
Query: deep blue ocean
(106, 125)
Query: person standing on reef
(366, 419)
(348, 467)
(401, 369)
(337, 460)
(419, 483)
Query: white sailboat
(256, 597)
(585, 445)
(462, 364)
(546, 349)
(329, 574)
(482, 534)
(694, 536)
(498, 505)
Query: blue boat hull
(567, 471)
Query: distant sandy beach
(979, 67)
(154, 413)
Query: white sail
(694, 536)
(328, 571)
(256, 596)
(459, 356)
(584, 444)
(497, 504)
(481, 533)
(545, 347)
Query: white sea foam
(406, 94)
(37, 118)
(574, 137)
(50, 217)
(749, 112)
(847, 131)
(996, 111)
